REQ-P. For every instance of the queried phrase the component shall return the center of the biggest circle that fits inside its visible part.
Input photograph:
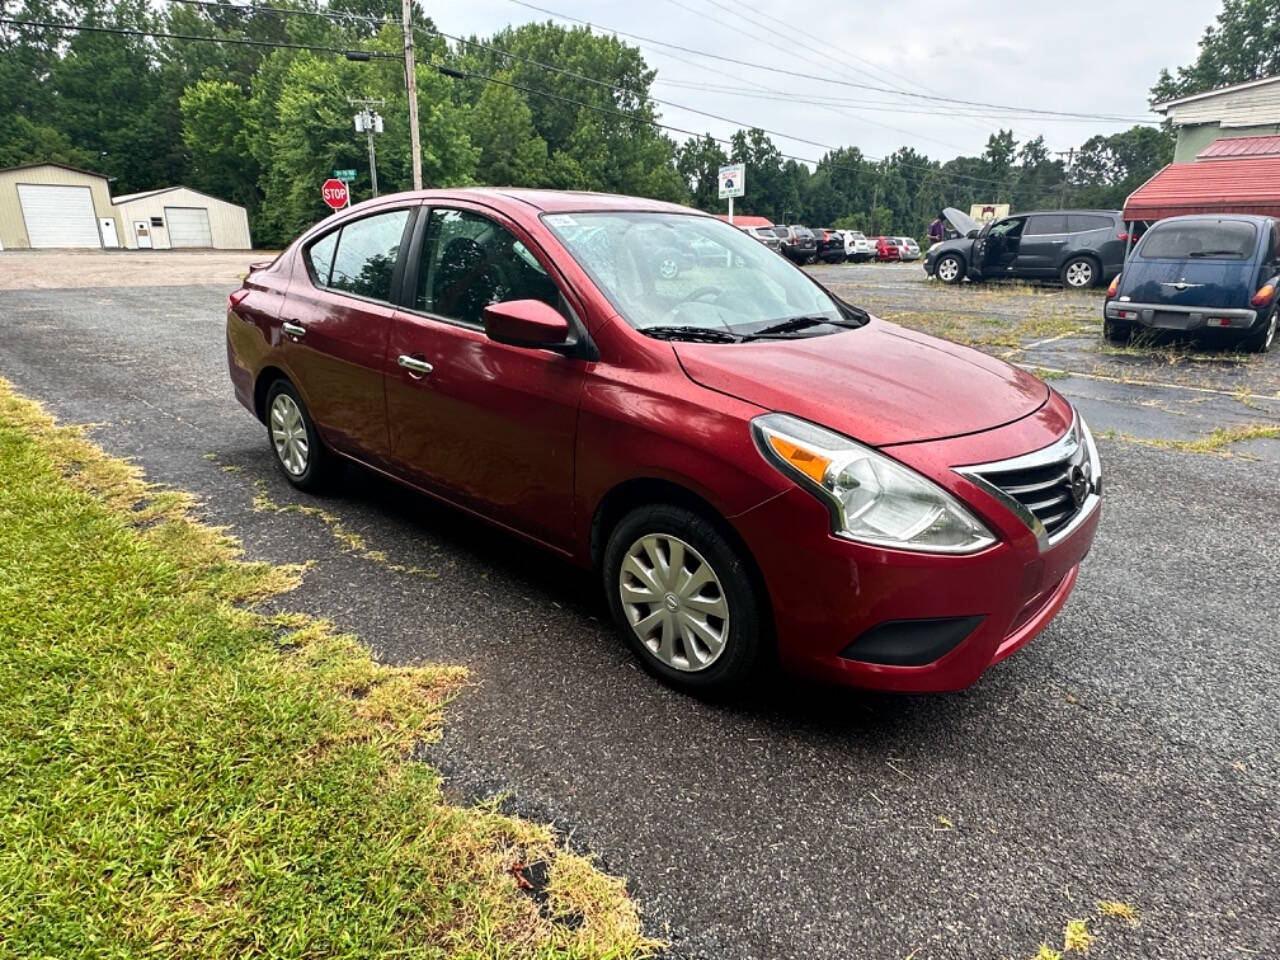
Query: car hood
(959, 244)
(880, 384)
(961, 221)
(1203, 283)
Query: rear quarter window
(1083, 222)
(1218, 240)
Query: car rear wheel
(1117, 331)
(1080, 273)
(300, 454)
(682, 597)
(950, 269)
(1261, 341)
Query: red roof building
(1241, 147)
(1227, 184)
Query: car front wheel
(950, 269)
(1080, 273)
(682, 597)
(300, 454)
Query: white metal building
(179, 217)
(53, 205)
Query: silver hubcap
(1079, 274)
(289, 434)
(674, 602)
(1271, 333)
(948, 269)
(669, 269)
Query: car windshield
(1192, 240)
(682, 272)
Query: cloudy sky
(1095, 57)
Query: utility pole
(369, 122)
(411, 84)
(1066, 173)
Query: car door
(1044, 238)
(996, 248)
(335, 323)
(489, 426)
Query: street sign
(335, 194)
(347, 175)
(733, 181)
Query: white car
(908, 249)
(857, 247)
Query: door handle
(414, 365)
(1055, 242)
(293, 329)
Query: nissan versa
(756, 469)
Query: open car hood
(880, 384)
(962, 222)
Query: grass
(183, 776)
(1218, 442)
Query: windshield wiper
(796, 324)
(705, 334)
(1196, 254)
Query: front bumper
(1163, 316)
(832, 597)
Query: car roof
(552, 201)
(1033, 213)
(1258, 219)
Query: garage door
(58, 216)
(188, 227)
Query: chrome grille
(1048, 489)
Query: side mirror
(526, 323)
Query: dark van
(1203, 273)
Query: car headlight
(872, 498)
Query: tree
(1109, 168)
(510, 152)
(699, 160)
(216, 132)
(1243, 45)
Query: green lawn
(181, 776)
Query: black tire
(1080, 273)
(746, 642)
(1116, 331)
(949, 276)
(321, 465)
(1261, 340)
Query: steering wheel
(699, 293)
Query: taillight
(233, 301)
(1263, 297)
(1122, 235)
(1115, 286)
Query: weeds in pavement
(186, 777)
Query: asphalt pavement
(1129, 753)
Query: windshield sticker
(559, 220)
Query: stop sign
(335, 193)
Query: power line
(252, 8)
(742, 124)
(363, 54)
(811, 77)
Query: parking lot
(1128, 755)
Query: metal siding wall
(13, 230)
(228, 222)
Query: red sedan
(755, 469)
(887, 249)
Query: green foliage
(1243, 45)
(263, 127)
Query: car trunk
(1189, 283)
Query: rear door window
(1083, 222)
(1210, 240)
(366, 257)
(1046, 223)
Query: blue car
(1206, 274)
